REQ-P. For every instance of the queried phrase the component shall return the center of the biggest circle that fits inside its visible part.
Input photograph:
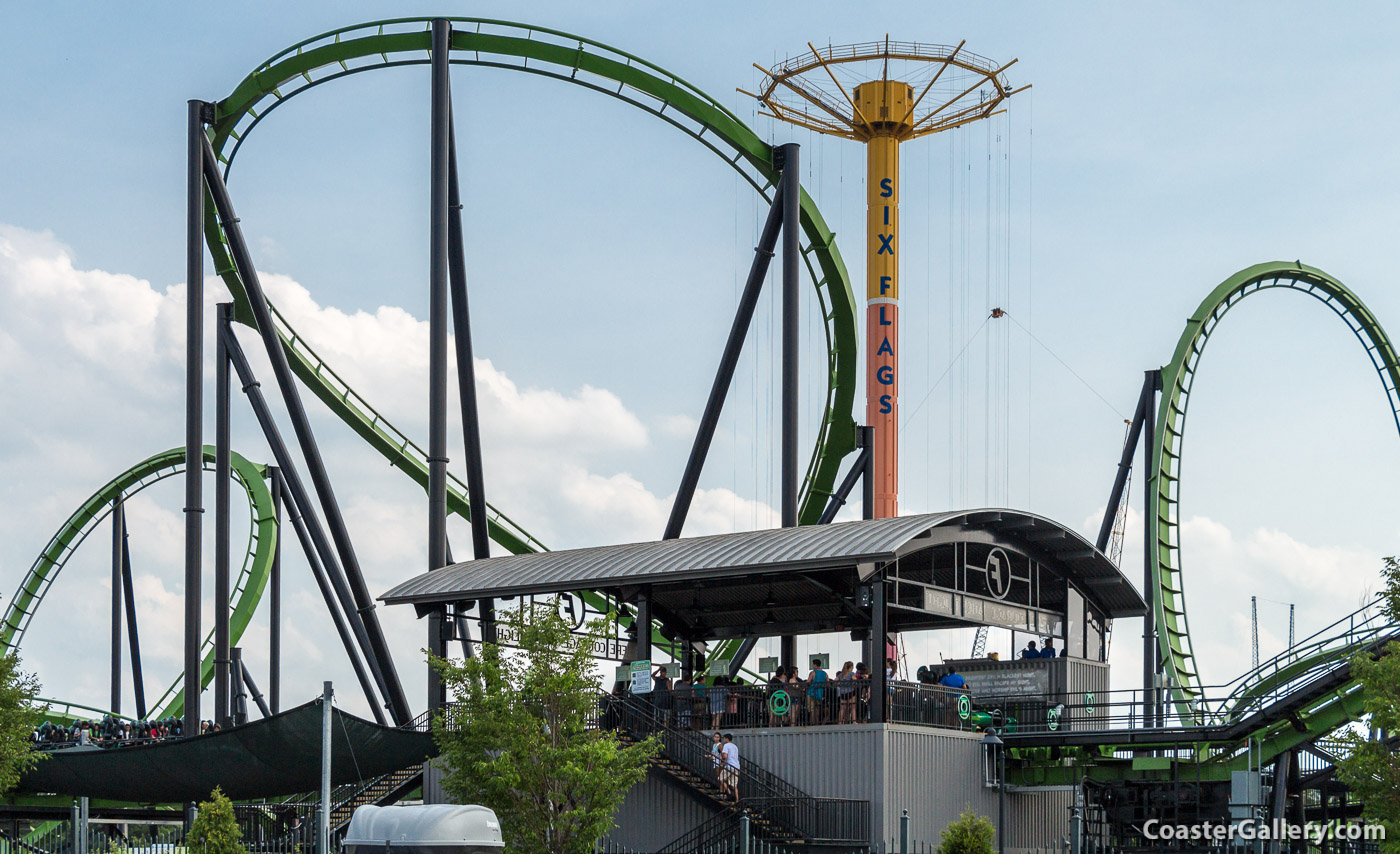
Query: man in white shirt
(729, 773)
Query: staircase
(378, 791)
(779, 813)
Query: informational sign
(767, 665)
(719, 667)
(819, 661)
(623, 673)
(938, 601)
(641, 677)
(673, 669)
(1008, 681)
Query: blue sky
(1162, 148)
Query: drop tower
(884, 93)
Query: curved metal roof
(844, 545)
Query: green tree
(215, 830)
(20, 715)
(1372, 769)
(518, 738)
(970, 834)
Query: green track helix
(247, 588)
(1174, 644)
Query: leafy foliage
(518, 738)
(970, 834)
(1372, 769)
(19, 717)
(215, 830)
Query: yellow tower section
(884, 104)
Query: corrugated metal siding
(603, 565)
(1082, 678)
(656, 812)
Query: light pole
(994, 767)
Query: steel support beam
(274, 593)
(308, 548)
(256, 694)
(1150, 658)
(643, 626)
(867, 480)
(729, 361)
(138, 682)
(319, 554)
(222, 474)
(466, 386)
(878, 680)
(437, 339)
(843, 492)
(196, 143)
(1125, 464)
(792, 260)
(740, 655)
(381, 663)
(118, 553)
(238, 704)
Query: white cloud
(91, 379)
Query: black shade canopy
(277, 756)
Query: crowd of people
(112, 731)
(788, 698)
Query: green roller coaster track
(247, 588)
(495, 44)
(549, 53)
(1174, 643)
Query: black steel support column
(274, 592)
(878, 630)
(256, 694)
(1125, 463)
(238, 704)
(643, 626)
(466, 381)
(380, 661)
(118, 550)
(437, 341)
(138, 682)
(792, 260)
(319, 554)
(194, 403)
(1153, 383)
(222, 475)
(724, 375)
(867, 487)
(843, 492)
(741, 655)
(787, 651)
(318, 571)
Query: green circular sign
(1089, 702)
(1052, 718)
(779, 702)
(964, 706)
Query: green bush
(215, 830)
(970, 834)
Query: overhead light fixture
(769, 619)
(770, 602)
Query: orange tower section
(848, 91)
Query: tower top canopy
(884, 88)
